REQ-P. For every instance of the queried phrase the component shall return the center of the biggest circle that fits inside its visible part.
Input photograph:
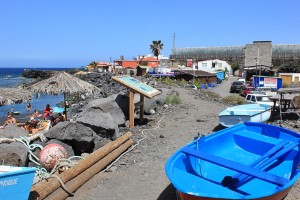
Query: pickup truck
(259, 99)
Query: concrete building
(212, 66)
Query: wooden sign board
(136, 85)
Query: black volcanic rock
(38, 74)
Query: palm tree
(155, 47)
(93, 65)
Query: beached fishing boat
(15, 182)
(246, 161)
(245, 113)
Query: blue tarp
(220, 75)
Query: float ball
(50, 154)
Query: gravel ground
(140, 174)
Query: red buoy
(50, 154)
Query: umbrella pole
(65, 106)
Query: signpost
(143, 89)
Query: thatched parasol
(63, 83)
(13, 96)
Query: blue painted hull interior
(15, 182)
(269, 153)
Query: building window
(204, 64)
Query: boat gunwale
(262, 111)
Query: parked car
(259, 99)
(242, 80)
(246, 90)
(236, 86)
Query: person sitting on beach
(60, 118)
(29, 125)
(64, 116)
(48, 112)
(42, 125)
(36, 114)
(10, 120)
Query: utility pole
(257, 60)
(193, 73)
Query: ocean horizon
(12, 78)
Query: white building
(212, 66)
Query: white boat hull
(248, 113)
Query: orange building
(127, 63)
(142, 61)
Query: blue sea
(11, 77)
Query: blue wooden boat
(245, 113)
(246, 161)
(15, 182)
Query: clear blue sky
(72, 33)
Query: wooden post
(131, 109)
(141, 108)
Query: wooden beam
(46, 187)
(85, 176)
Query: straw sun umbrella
(13, 96)
(63, 83)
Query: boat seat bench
(236, 166)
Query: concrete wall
(258, 53)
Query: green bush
(234, 99)
(173, 99)
(197, 83)
(212, 94)
(169, 81)
(183, 82)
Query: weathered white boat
(15, 182)
(245, 113)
